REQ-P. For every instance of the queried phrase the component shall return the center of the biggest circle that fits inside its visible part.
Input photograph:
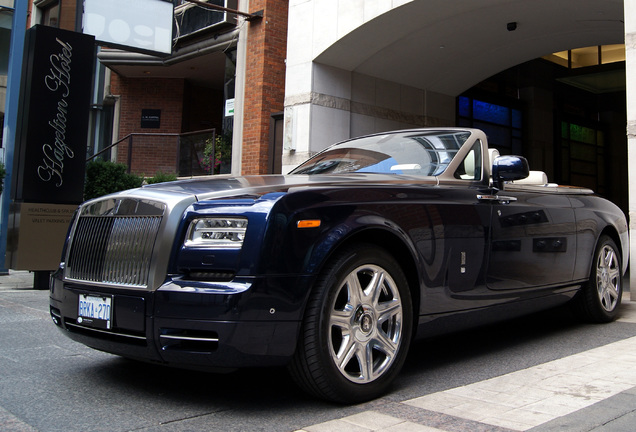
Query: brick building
(162, 111)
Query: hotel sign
(50, 152)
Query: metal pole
(16, 52)
(130, 143)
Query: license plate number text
(95, 311)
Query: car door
(532, 239)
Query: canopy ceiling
(449, 46)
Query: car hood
(214, 187)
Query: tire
(600, 297)
(357, 327)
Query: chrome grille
(113, 248)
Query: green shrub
(161, 177)
(104, 177)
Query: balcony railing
(151, 153)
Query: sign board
(55, 95)
(50, 145)
(229, 107)
(151, 118)
(37, 244)
(133, 25)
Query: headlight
(216, 233)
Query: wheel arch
(613, 223)
(595, 302)
(601, 218)
(611, 232)
(403, 253)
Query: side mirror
(509, 168)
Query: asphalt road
(50, 383)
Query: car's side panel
(443, 228)
(446, 228)
(443, 323)
(533, 241)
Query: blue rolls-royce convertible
(335, 268)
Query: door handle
(497, 198)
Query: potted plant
(217, 154)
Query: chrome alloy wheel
(365, 324)
(608, 278)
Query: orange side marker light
(308, 223)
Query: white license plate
(95, 311)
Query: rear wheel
(601, 296)
(356, 329)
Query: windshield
(426, 153)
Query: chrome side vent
(115, 245)
(188, 340)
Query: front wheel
(357, 327)
(600, 297)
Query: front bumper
(190, 324)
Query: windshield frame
(447, 175)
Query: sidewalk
(16, 279)
(593, 391)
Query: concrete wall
(324, 104)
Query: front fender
(295, 250)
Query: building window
(501, 124)
(50, 13)
(582, 157)
(588, 56)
